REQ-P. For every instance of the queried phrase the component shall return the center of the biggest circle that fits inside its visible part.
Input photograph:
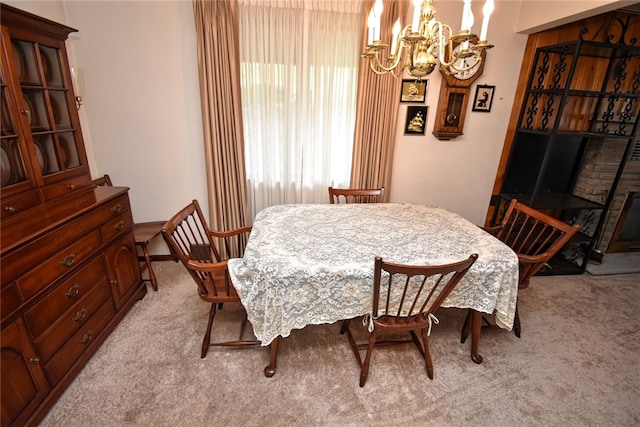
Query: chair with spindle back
(535, 237)
(356, 195)
(404, 300)
(204, 253)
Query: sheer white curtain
(299, 64)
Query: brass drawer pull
(71, 186)
(117, 209)
(34, 360)
(87, 337)
(73, 291)
(80, 315)
(69, 260)
(119, 226)
(9, 209)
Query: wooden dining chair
(535, 237)
(356, 195)
(143, 234)
(405, 298)
(204, 253)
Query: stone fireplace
(599, 171)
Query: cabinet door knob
(9, 209)
(34, 360)
(25, 112)
(73, 291)
(71, 186)
(117, 209)
(113, 282)
(69, 260)
(119, 226)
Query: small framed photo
(414, 90)
(416, 120)
(483, 98)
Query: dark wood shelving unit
(581, 100)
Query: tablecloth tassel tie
(432, 319)
(367, 321)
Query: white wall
(141, 99)
(141, 114)
(458, 174)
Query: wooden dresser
(69, 269)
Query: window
(299, 70)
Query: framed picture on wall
(416, 120)
(414, 90)
(483, 99)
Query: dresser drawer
(64, 296)
(10, 299)
(60, 363)
(69, 322)
(42, 274)
(67, 186)
(16, 204)
(117, 226)
(30, 255)
(115, 207)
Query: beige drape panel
(377, 110)
(219, 70)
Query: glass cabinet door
(13, 170)
(46, 102)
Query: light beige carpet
(577, 364)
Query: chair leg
(364, 371)
(147, 260)
(243, 325)
(466, 327)
(207, 335)
(417, 342)
(516, 322)
(427, 354)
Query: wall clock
(454, 96)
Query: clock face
(464, 63)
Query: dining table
(311, 264)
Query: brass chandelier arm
(373, 53)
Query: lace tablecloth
(313, 264)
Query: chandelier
(426, 42)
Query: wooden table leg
(270, 370)
(476, 325)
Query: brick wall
(599, 168)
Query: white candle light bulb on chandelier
(487, 10)
(467, 16)
(377, 13)
(370, 24)
(415, 23)
(396, 31)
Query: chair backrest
(534, 236)
(356, 195)
(194, 244)
(407, 294)
(103, 181)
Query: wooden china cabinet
(69, 269)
